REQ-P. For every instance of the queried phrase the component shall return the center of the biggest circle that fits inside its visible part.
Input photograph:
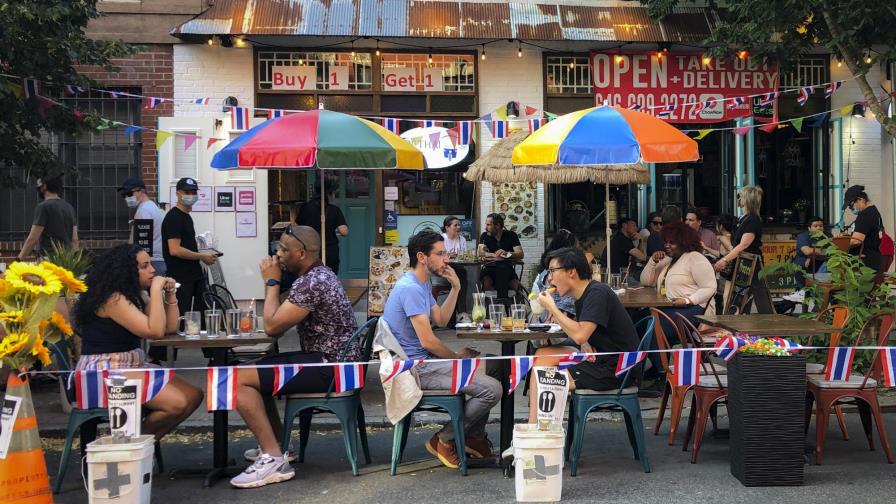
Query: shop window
(568, 75)
(360, 67)
(457, 71)
(431, 193)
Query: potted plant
(767, 393)
(28, 299)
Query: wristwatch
(270, 282)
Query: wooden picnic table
(757, 324)
(218, 348)
(644, 297)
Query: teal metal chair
(346, 406)
(432, 400)
(625, 398)
(82, 421)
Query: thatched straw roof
(495, 166)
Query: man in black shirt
(308, 214)
(54, 221)
(181, 251)
(622, 247)
(867, 228)
(503, 248)
(601, 324)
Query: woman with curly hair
(683, 275)
(124, 303)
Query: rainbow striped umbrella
(615, 138)
(320, 139)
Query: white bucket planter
(538, 463)
(120, 472)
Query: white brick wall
(202, 71)
(865, 145)
(504, 77)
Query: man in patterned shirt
(320, 310)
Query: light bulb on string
(618, 59)
(839, 62)
(868, 58)
(353, 48)
(429, 57)
(707, 60)
(572, 64)
(482, 56)
(742, 54)
(211, 41)
(519, 50)
(377, 47)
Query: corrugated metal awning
(528, 20)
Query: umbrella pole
(323, 219)
(607, 220)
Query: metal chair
(432, 400)
(670, 388)
(626, 398)
(346, 406)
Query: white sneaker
(252, 454)
(264, 471)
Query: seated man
(601, 325)
(318, 307)
(808, 256)
(501, 247)
(623, 249)
(409, 312)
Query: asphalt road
(607, 473)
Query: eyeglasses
(657, 223)
(552, 270)
(288, 231)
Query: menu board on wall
(516, 203)
(387, 265)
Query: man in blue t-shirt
(410, 312)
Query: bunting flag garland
(767, 98)
(189, 140)
(687, 367)
(665, 111)
(162, 137)
(465, 132)
(239, 118)
(30, 87)
(846, 110)
(839, 365)
(534, 124)
(570, 360)
(832, 88)
(705, 105)
(519, 368)
(636, 106)
(114, 94)
(790, 346)
(499, 129)
(152, 102)
(201, 101)
(769, 128)
(400, 366)
(628, 360)
(90, 389)
(797, 124)
(221, 388)
(130, 130)
(805, 91)
(530, 110)
(73, 90)
(154, 381)
(211, 141)
(888, 360)
(275, 113)
(462, 372)
(392, 125)
(702, 133)
(427, 124)
(282, 375)
(741, 131)
(736, 102)
(348, 377)
(818, 121)
(727, 347)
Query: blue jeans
(689, 312)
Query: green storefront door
(355, 199)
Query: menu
(387, 265)
(516, 203)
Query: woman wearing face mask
(134, 193)
(867, 228)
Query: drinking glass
(232, 322)
(247, 322)
(192, 322)
(213, 320)
(496, 316)
(615, 281)
(518, 314)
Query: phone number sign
(682, 80)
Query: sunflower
(33, 278)
(65, 276)
(13, 343)
(59, 321)
(40, 351)
(13, 317)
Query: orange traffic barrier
(23, 473)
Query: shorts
(312, 379)
(600, 374)
(116, 360)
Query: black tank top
(103, 335)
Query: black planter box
(766, 407)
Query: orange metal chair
(863, 389)
(839, 318)
(677, 393)
(711, 389)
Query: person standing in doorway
(181, 251)
(55, 220)
(308, 214)
(133, 190)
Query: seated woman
(808, 256)
(683, 275)
(125, 302)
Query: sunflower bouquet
(28, 296)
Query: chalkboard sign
(744, 269)
(143, 234)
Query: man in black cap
(181, 251)
(867, 228)
(147, 220)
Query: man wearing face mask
(181, 251)
(133, 190)
(54, 220)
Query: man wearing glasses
(654, 242)
(322, 315)
(133, 190)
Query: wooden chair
(710, 390)
(839, 318)
(677, 393)
(862, 388)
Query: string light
(377, 47)
(707, 60)
(572, 64)
(429, 57)
(868, 58)
(519, 49)
(618, 59)
(211, 41)
(353, 48)
(482, 56)
(742, 54)
(839, 62)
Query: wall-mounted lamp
(226, 41)
(858, 110)
(230, 102)
(513, 110)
